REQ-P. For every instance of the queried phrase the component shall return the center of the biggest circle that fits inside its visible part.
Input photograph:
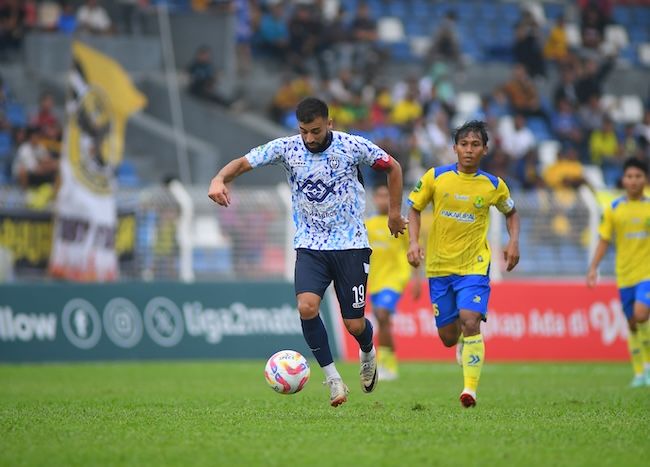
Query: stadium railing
(252, 239)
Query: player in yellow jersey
(458, 254)
(626, 223)
(390, 272)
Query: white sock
(367, 356)
(331, 372)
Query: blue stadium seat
(639, 33)
(420, 9)
(401, 51)
(16, 114)
(553, 10)
(641, 16)
(539, 128)
(397, 9)
(510, 13)
(5, 144)
(622, 15)
(488, 11)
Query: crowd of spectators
(35, 141)
(336, 53)
(338, 57)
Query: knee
(641, 314)
(355, 326)
(448, 340)
(470, 324)
(308, 309)
(383, 318)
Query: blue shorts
(449, 294)
(348, 269)
(636, 293)
(386, 299)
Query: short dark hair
(311, 108)
(474, 126)
(637, 163)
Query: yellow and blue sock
(633, 343)
(643, 335)
(473, 356)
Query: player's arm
(218, 191)
(396, 223)
(511, 253)
(420, 197)
(592, 273)
(415, 253)
(416, 279)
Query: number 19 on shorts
(359, 296)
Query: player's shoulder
(348, 139)
(620, 201)
(494, 180)
(437, 172)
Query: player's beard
(322, 146)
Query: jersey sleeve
(370, 154)
(266, 154)
(606, 227)
(503, 202)
(422, 193)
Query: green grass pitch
(223, 413)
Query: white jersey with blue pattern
(328, 198)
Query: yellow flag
(103, 109)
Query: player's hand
(397, 225)
(592, 278)
(218, 192)
(511, 256)
(415, 254)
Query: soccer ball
(287, 372)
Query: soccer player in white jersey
(331, 241)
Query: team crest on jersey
(479, 202)
(334, 162)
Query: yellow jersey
(389, 267)
(627, 224)
(457, 242)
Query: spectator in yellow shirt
(604, 150)
(557, 45)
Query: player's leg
(350, 279)
(312, 278)
(472, 295)
(633, 339)
(641, 316)
(384, 304)
(445, 311)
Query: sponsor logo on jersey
(477, 299)
(461, 197)
(459, 216)
(316, 191)
(418, 186)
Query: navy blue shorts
(348, 269)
